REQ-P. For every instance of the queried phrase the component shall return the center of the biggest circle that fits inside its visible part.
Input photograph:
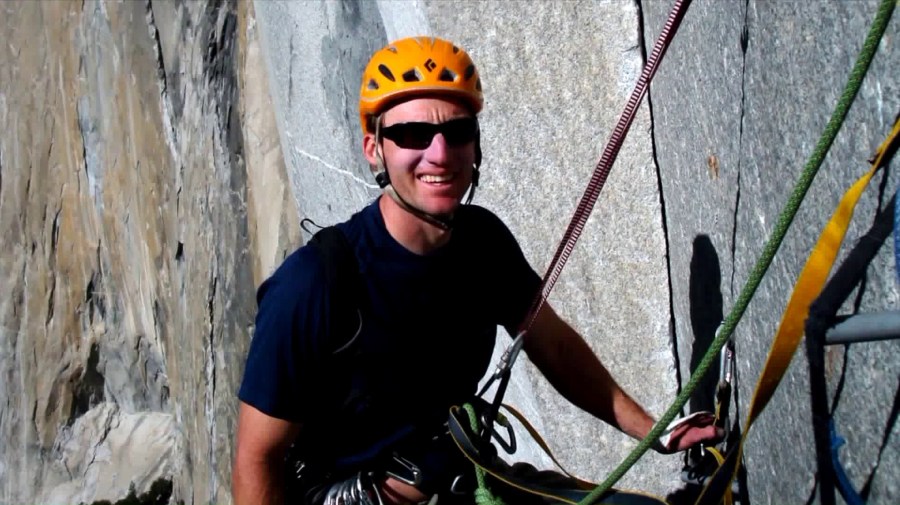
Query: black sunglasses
(456, 132)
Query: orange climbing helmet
(417, 66)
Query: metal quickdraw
(491, 416)
(724, 388)
(706, 460)
(357, 490)
(362, 488)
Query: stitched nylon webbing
(601, 172)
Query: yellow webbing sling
(809, 284)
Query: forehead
(426, 110)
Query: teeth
(436, 178)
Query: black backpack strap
(344, 285)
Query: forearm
(257, 482)
(262, 441)
(575, 372)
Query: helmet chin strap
(442, 221)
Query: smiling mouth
(436, 179)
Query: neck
(413, 233)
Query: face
(431, 175)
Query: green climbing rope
(483, 494)
(854, 82)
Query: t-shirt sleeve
(287, 339)
(516, 282)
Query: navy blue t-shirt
(428, 329)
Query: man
(436, 279)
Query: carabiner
(723, 388)
(510, 446)
(405, 471)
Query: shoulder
(477, 212)
(307, 266)
(483, 224)
(475, 215)
(361, 225)
(299, 275)
(303, 258)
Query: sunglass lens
(410, 135)
(420, 135)
(459, 131)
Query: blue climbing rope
(897, 235)
(843, 482)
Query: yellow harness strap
(809, 284)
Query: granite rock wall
(158, 157)
(142, 198)
(738, 107)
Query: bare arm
(262, 441)
(571, 366)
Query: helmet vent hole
(412, 75)
(470, 71)
(373, 84)
(447, 75)
(392, 49)
(478, 85)
(386, 72)
(455, 49)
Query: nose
(437, 152)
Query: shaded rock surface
(141, 202)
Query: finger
(697, 435)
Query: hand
(684, 433)
(394, 492)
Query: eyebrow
(426, 122)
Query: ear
(369, 148)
